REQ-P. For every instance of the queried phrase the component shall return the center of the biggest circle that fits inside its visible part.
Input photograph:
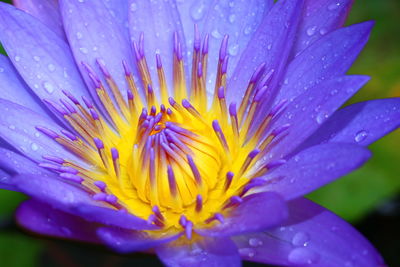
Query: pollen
(172, 156)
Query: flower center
(169, 158)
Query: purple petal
(44, 10)
(313, 168)
(205, 252)
(270, 44)
(94, 34)
(319, 18)
(119, 11)
(313, 236)
(14, 89)
(17, 127)
(361, 123)
(6, 181)
(158, 20)
(112, 217)
(330, 56)
(257, 212)
(238, 19)
(124, 241)
(14, 163)
(41, 57)
(74, 200)
(45, 220)
(308, 111)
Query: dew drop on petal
(48, 87)
(333, 6)
(360, 136)
(232, 18)
(133, 7)
(83, 50)
(34, 147)
(310, 31)
(323, 31)
(198, 10)
(36, 58)
(247, 252)
(51, 67)
(302, 256)
(300, 239)
(216, 34)
(233, 50)
(255, 242)
(79, 35)
(17, 58)
(321, 117)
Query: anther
(183, 220)
(47, 132)
(228, 180)
(248, 161)
(72, 177)
(171, 181)
(69, 135)
(115, 159)
(220, 135)
(195, 170)
(189, 229)
(100, 185)
(199, 203)
(53, 159)
(99, 196)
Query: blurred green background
(368, 197)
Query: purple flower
(188, 128)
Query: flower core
(177, 159)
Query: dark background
(368, 198)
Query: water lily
(189, 129)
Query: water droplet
(11, 127)
(51, 67)
(311, 30)
(247, 252)
(286, 81)
(360, 136)
(232, 18)
(49, 87)
(133, 7)
(81, 1)
(333, 6)
(1, 70)
(248, 30)
(233, 50)
(269, 46)
(302, 256)
(255, 242)
(83, 50)
(34, 146)
(216, 34)
(79, 35)
(321, 117)
(323, 31)
(197, 10)
(36, 58)
(334, 92)
(300, 239)
(17, 58)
